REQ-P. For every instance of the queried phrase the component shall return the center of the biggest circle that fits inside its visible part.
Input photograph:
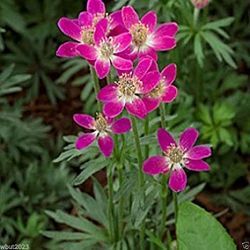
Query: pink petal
(137, 108)
(116, 19)
(108, 93)
(142, 67)
(150, 81)
(102, 68)
(154, 66)
(100, 31)
(166, 29)
(121, 126)
(69, 28)
(106, 145)
(129, 16)
(165, 139)
(113, 109)
(148, 52)
(169, 73)
(177, 180)
(163, 43)
(188, 138)
(151, 103)
(150, 20)
(197, 165)
(85, 121)
(85, 140)
(170, 94)
(87, 52)
(121, 42)
(199, 152)
(96, 6)
(85, 19)
(155, 165)
(67, 49)
(121, 63)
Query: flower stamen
(101, 123)
(139, 34)
(174, 153)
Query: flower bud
(200, 4)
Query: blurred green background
(39, 93)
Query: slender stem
(96, 85)
(175, 206)
(121, 204)
(146, 132)
(110, 203)
(109, 78)
(196, 16)
(164, 197)
(140, 174)
(163, 115)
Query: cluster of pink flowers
(130, 44)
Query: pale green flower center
(175, 154)
(139, 34)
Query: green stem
(163, 115)
(196, 16)
(140, 174)
(164, 198)
(146, 131)
(120, 215)
(110, 203)
(175, 207)
(96, 85)
(109, 78)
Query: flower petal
(151, 103)
(113, 109)
(197, 165)
(67, 49)
(83, 141)
(188, 138)
(199, 152)
(170, 94)
(178, 179)
(106, 145)
(100, 31)
(129, 16)
(169, 73)
(155, 165)
(150, 81)
(165, 139)
(85, 19)
(137, 108)
(85, 121)
(121, 63)
(121, 42)
(108, 93)
(150, 20)
(142, 67)
(148, 52)
(167, 29)
(102, 68)
(96, 6)
(116, 19)
(163, 43)
(87, 52)
(70, 28)
(121, 126)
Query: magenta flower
(106, 50)
(176, 156)
(82, 29)
(200, 4)
(100, 129)
(147, 38)
(164, 91)
(127, 90)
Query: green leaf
(219, 23)
(198, 49)
(199, 230)
(64, 235)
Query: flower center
(158, 90)
(139, 34)
(127, 86)
(175, 154)
(88, 36)
(107, 49)
(101, 123)
(97, 18)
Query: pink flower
(147, 38)
(127, 90)
(106, 50)
(176, 156)
(164, 91)
(100, 129)
(82, 29)
(200, 4)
